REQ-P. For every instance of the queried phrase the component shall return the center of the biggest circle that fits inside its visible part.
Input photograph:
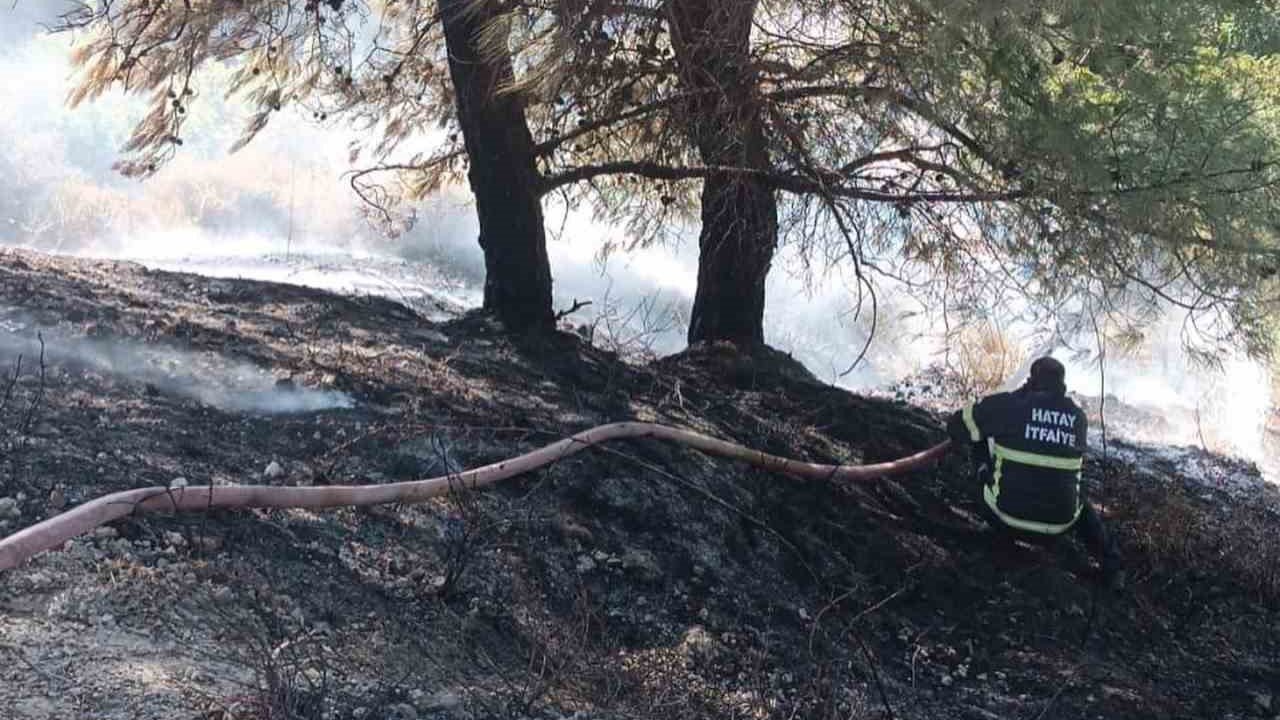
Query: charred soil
(636, 580)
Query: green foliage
(1147, 135)
(1048, 159)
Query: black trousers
(1088, 528)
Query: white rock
(178, 483)
(402, 711)
(9, 507)
(175, 538)
(443, 701)
(273, 471)
(105, 533)
(586, 564)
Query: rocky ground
(634, 581)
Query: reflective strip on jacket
(1033, 444)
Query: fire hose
(55, 531)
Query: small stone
(175, 538)
(207, 543)
(1263, 700)
(273, 471)
(642, 563)
(178, 483)
(402, 711)
(105, 533)
(360, 713)
(947, 680)
(586, 564)
(9, 507)
(804, 614)
(445, 701)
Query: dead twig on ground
(22, 656)
(875, 673)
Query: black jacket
(1032, 445)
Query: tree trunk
(712, 40)
(503, 171)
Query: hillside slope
(634, 581)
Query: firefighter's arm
(975, 423)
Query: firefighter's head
(1048, 375)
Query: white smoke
(278, 210)
(206, 377)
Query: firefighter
(1029, 447)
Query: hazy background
(280, 210)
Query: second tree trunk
(503, 171)
(712, 40)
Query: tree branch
(547, 147)
(891, 97)
(779, 181)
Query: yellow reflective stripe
(999, 469)
(1038, 460)
(974, 434)
(1027, 525)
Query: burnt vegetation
(638, 580)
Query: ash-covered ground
(634, 581)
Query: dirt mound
(637, 580)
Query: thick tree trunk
(712, 40)
(503, 172)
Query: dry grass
(983, 358)
(1173, 533)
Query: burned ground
(635, 580)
